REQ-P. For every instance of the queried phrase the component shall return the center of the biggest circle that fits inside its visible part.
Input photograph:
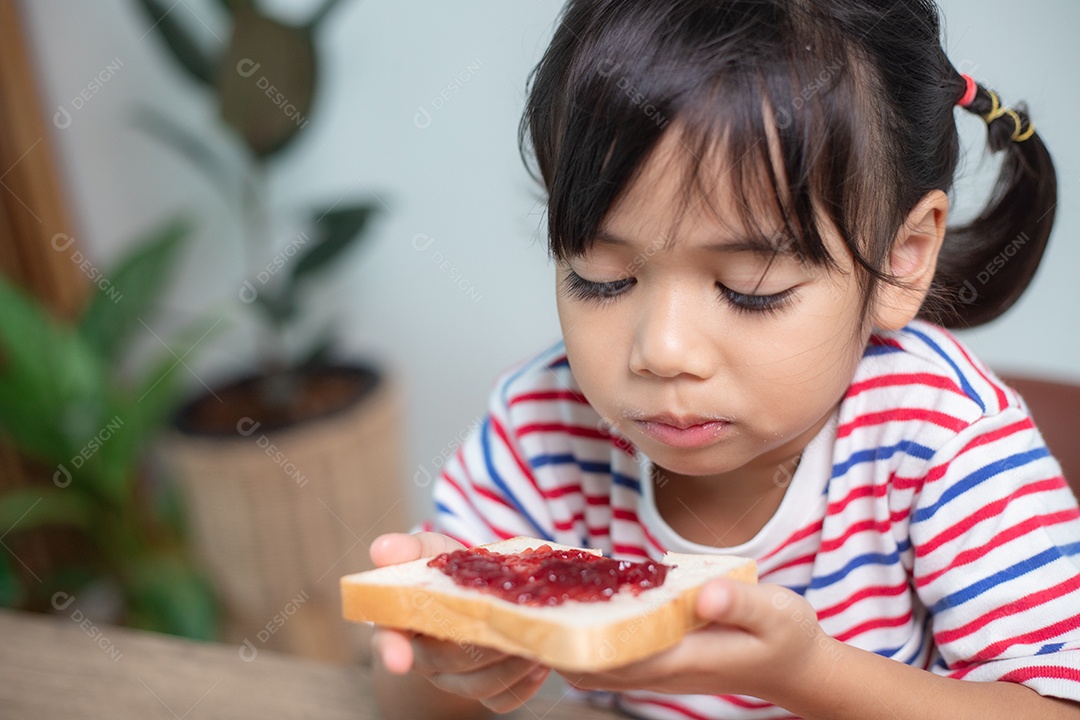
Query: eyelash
(604, 292)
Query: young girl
(747, 207)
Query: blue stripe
(626, 481)
(559, 346)
(443, 509)
(903, 546)
(542, 460)
(1010, 573)
(564, 363)
(872, 350)
(964, 384)
(890, 652)
(980, 475)
(485, 439)
(1070, 550)
(858, 561)
(872, 454)
(1051, 648)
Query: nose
(672, 338)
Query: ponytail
(985, 265)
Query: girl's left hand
(761, 640)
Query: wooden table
(54, 668)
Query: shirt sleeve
(487, 491)
(995, 533)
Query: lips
(681, 431)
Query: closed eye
(748, 303)
(582, 289)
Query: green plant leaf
(267, 80)
(167, 595)
(336, 231)
(191, 146)
(112, 318)
(51, 379)
(192, 58)
(11, 592)
(28, 508)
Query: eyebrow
(737, 245)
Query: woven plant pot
(278, 515)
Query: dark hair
(860, 96)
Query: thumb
(744, 605)
(394, 548)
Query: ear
(912, 262)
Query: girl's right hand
(501, 682)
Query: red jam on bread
(543, 576)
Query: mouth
(683, 431)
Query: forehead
(689, 188)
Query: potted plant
(292, 468)
(111, 537)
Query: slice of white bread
(573, 636)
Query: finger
(744, 605)
(394, 548)
(432, 656)
(485, 682)
(518, 694)
(394, 649)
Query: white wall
(459, 181)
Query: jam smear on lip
(545, 576)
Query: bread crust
(476, 621)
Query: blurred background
(413, 124)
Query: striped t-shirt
(926, 522)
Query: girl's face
(712, 357)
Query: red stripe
(901, 415)
(596, 499)
(569, 524)
(838, 506)
(683, 710)
(484, 492)
(1035, 636)
(544, 395)
(1003, 401)
(885, 342)
(525, 469)
(793, 538)
(882, 526)
(924, 379)
(986, 511)
(801, 560)
(623, 549)
(601, 531)
(576, 431)
(502, 534)
(1057, 672)
(875, 624)
(630, 516)
(1017, 606)
(937, 472)
(970, 555)
(559, 491)
(867, 592)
